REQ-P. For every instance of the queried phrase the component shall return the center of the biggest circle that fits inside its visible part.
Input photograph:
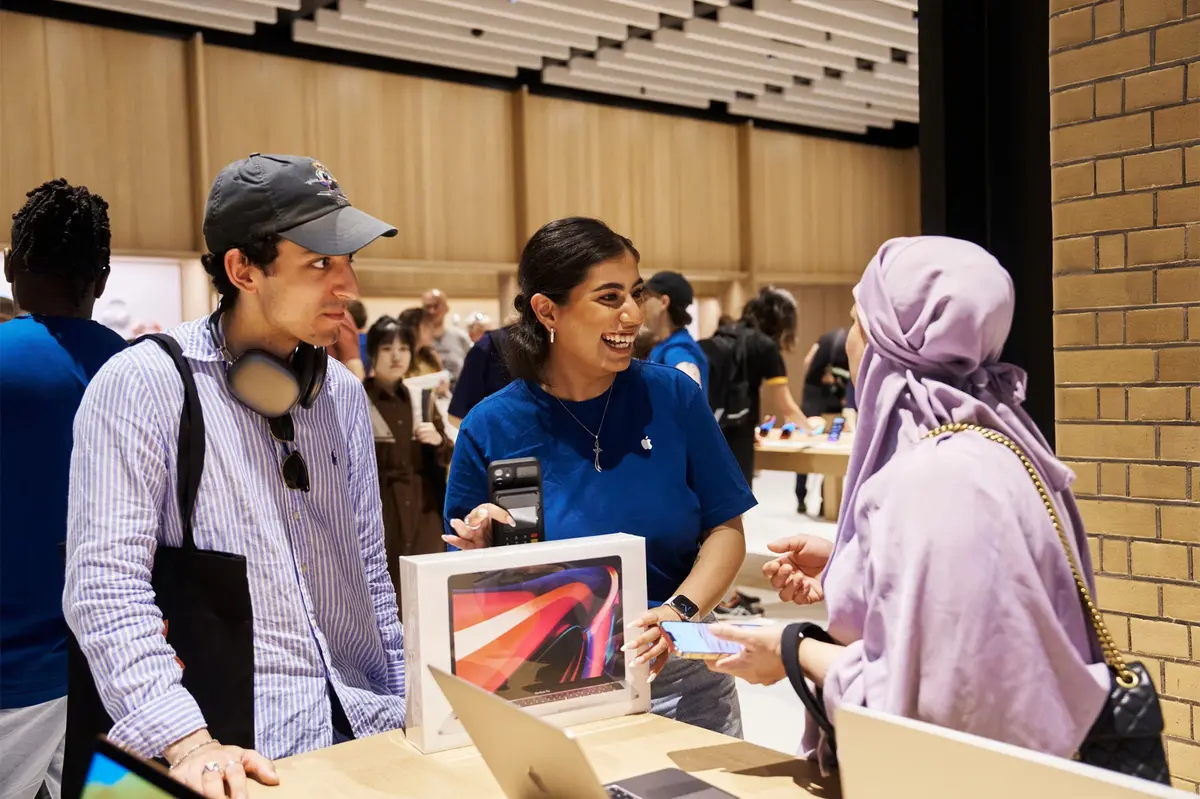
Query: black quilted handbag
(1127, 735)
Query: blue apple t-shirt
(45, 365)
(680, 347)
(667, 473)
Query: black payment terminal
(516, 486)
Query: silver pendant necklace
(596, 435)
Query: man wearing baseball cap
(668, 297)
(286, 512)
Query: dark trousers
(741, 443)
(342, 731)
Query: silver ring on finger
(213, 767)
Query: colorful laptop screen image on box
(540, 634)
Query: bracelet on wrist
(193, 751)
(675, 612)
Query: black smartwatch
(685, 607)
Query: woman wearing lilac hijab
(948, 590)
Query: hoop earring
(551, 335)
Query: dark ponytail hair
(555, 260)
(773, 312)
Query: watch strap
(675, 604)
(790, 651)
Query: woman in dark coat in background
(412, 457)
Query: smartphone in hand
(695, 641)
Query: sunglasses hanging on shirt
(293, 469)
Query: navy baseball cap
(673, 285)
(290, 196)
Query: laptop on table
(533, 759)
(881, 755)
(116, 774)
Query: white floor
(772, 715)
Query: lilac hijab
(948, 586)
(937, 312)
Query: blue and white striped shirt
(324, 605)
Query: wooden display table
(387, 766)
(809, 455)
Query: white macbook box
(541, 625)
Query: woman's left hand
(761, 659)
(426, 433)
(653, 646)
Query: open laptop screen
(540, 633)
(108, 779)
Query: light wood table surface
(809, 456)
(804, 457)
(387, 766)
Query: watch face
(685, 606)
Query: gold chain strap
(1125, 677)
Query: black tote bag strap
(190, 462)
(791, 665)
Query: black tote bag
(204, 597)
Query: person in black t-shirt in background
(826, 386)
(767, 328)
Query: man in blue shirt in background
(668, 297)
(483, 374)
(58, 267)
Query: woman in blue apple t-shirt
(624, 446)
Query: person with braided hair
(58, 267)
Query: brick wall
(1125, 147)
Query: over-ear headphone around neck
(266, 383)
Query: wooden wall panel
(415, 281)
(439, 160)
(26, 159)
(669, 183)
(257, 103)
(822, 207)
(432, 158)
(106, 109)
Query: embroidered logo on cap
(325, 178)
